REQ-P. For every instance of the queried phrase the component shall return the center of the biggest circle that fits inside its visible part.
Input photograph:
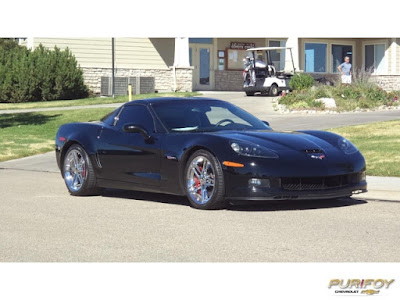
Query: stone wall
(184, 79)
(228, 80)
(387, 82)
(163, 79)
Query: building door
(200, 56)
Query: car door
(129, 157)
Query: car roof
(150, 101)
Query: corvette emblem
(318, 156)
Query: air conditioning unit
(145, 84)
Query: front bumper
(276, 188)
(276, 194)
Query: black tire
(217, 196)
(88, 186)
(274, 90)
(249, 93)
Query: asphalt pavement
(40, 221)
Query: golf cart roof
(268, 48)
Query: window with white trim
(339, 52)
(374, 58)
(315, 57)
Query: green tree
(39, 75)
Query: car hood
(279, 141)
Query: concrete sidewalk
(29, 110)
(379, 188)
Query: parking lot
(40, 221)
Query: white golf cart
(262, 76)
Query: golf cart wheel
(273, 90)
(204, 181)
(249, 93)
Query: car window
(203, 115)
(110, 118)
(136, 115)
(216, 114)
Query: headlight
(346, 146)
(253, 150)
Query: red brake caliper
(84, 170)
(197, 181)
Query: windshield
(205, 115)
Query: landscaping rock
(328, 102)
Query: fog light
(259, 182)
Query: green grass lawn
(379, 143)
(90, 101)
(27, 134)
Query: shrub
(293, 97)
(376, 94)
(39, 75)
(317, 104)
(301, 81)
(365, 103)
(300, 104)
(321, 92)
(361, 94)
(8, 43)
(393, 98)
(361, 78)
(351, 92)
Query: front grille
(317, 183)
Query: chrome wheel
(75, 170)
(200, 179)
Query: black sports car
(207, 149)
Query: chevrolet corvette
(207, 149)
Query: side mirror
(266, 123)
(131, 128)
